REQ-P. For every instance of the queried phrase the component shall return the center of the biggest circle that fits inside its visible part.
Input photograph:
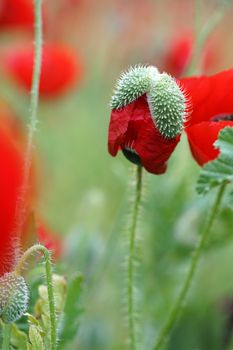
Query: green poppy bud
(14, 297)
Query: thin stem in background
(132, 238)
(177, 307)
(6, 336)
(48, 269)
(202, 33)
(21, 206)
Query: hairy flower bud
(14, 296)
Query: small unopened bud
(168, 106)
(14, 296)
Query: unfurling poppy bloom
(212, 110)
(60, 70)
(148, 113)
(16, 13)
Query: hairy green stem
(21, 208)
(180, 300)
(38, 248)
(6, 336)
(132, 232)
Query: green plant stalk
(178, 305)
(21, 208)
(203, 33)
(132, 232)
(38, 248)
(6, 337)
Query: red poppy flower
(16, 13)
(61, 68)
(133, 131)
(212, 104)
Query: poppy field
(116, 197)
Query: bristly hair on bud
(14, 297)
(167, 105)
(132, 84)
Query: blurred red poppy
(16, 13)
(179, 53)
(61, 68)
(212, 110)
(133, 131)
(11, 156)
(13, 238)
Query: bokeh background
(82, 193)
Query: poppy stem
(132, 245)
(33, 120)
(6, 336)
(180, 300)
(38, 248)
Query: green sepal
(167, 105)
(132, 84)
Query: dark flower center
(222, 117)
(132, 156)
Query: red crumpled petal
(153, 149)
(118, 125)
(209, 96)
(60, 69)
(201, 139)
(132, 126)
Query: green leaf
(72, 311)
(18, 338)
(219, 170)
(35, 338)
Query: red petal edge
(201, 139)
